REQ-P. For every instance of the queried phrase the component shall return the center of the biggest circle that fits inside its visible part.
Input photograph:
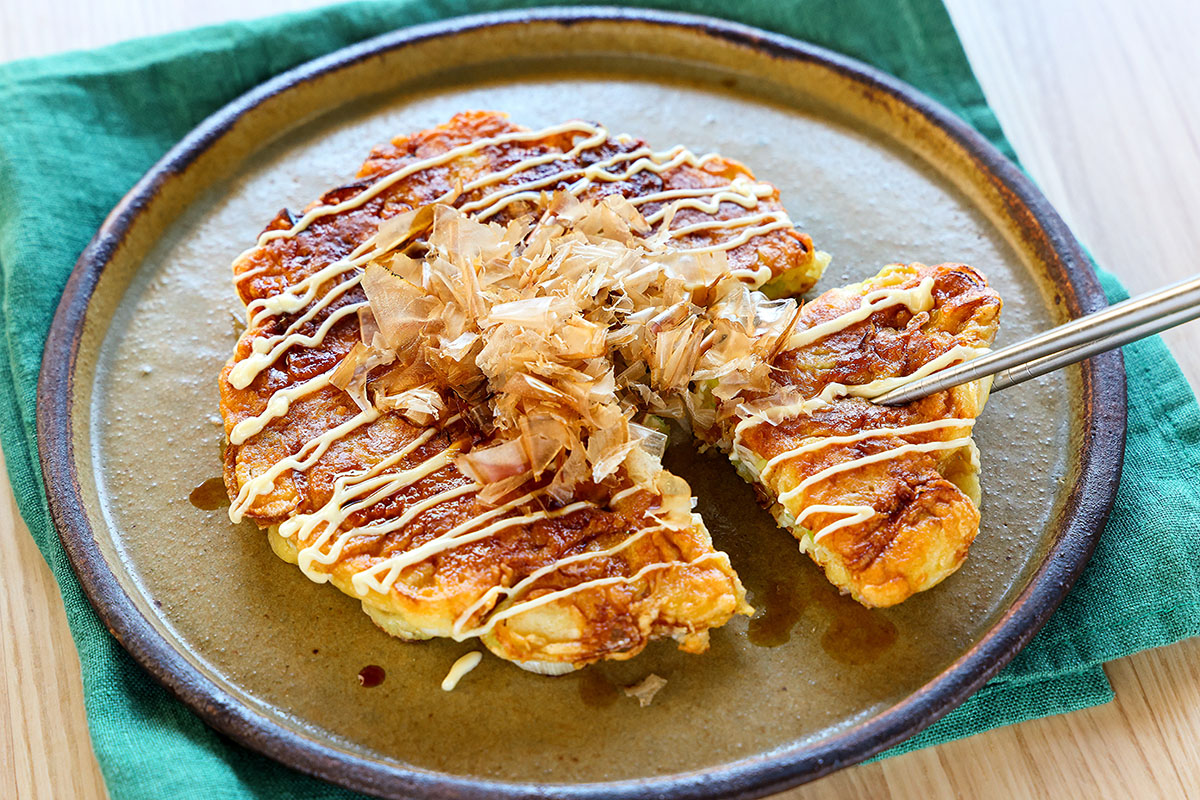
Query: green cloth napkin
(76, 132)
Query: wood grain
(45, 751)
(1101, 101)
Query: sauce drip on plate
(595, 690)
(782, 607)
(856, 635)
(371, 676)
(210, 495)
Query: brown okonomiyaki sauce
(780, 607)
(210, 495)
(596, 690)
(853, 634)
(789, 595)
(857, 635)
(371, 676)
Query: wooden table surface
(1101, 99)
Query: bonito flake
(564, 334)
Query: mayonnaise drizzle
(829, 441)
(886, 455)
(642, 158)
(376, 488)
(597, 134)
(740, 191)
(266, 350)
(627, 492)
(277, 406)
(917, 299)
(313, 553)
(746, 221)
(858, 513)
(460, 668)
(551, 597)
(737, 241)
(301, 293)
(290, 301)
(489, 597)
(250, 273)
(881, 386)
(368, 580)
(309, 454)
(777, 414)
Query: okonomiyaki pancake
(391, 449)
(884, 499)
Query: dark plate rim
(1085, 510)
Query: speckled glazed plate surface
(871, 169)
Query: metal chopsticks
(1075, 341)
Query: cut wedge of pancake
(884, 499)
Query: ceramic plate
(872, 169)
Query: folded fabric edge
(1136, 631)
(1002, 703)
